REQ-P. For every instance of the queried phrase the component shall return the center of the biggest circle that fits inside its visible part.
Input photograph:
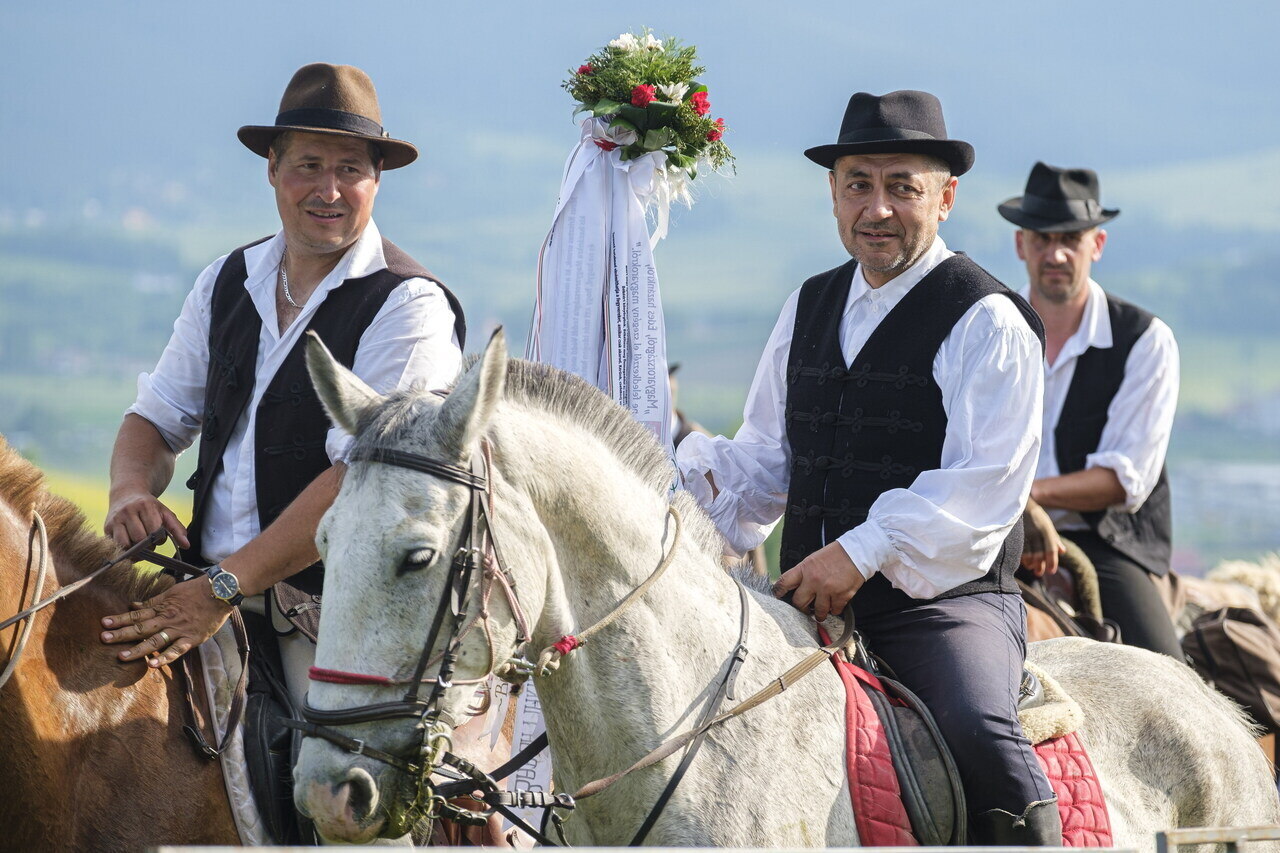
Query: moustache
(883, 225)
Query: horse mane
(81, 550)
(571, 400)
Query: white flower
(651, 43)
(609, 138)
(626, 42)
(673, 93)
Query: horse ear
(470, 405)
(345, 396)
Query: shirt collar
(897, 287)
(262, 262)
(1095, 324)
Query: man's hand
(131, 517)
(1041, 546)
(825, 580)
(169, 625)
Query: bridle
(478, 551)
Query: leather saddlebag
(1237, 650)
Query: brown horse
(92, 754)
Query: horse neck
(605, 531)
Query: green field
(90, 495)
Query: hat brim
(956, 154)
(1013, 212)
(395, 152)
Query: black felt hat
(335, 100)
(1058, 200)
(907, 122)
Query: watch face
(225, 585)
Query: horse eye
(417, 560)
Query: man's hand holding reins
(823, 582)
(134, 515)
(1042, 546)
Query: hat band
(885, 134)
(331, 120)
(1059, 208)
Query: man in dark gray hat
(1111, 387)
(234, 374)
(894, 422)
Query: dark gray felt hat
(1058, 200)
(906, 121)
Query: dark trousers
(1129, 597)
(963, 657)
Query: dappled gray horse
(580, 511)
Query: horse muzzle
(344, 811)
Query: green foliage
(606, 85)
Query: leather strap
(181, 571)
(154, 538)
(713, 707)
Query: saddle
(1069, 598)
(270, 748)
(921, 800)
(917, 798)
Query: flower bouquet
(598, 309)
(646, 91)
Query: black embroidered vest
(289, 449)
(1146, 536)
(859, 430)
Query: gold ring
(164, 635)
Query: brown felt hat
(336, 100)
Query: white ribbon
(598, 312)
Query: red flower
(701, 103)
(643, 95)
(716, 133)
(586, 69)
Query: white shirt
(948, 526)
(1140, 416)
(410, 341)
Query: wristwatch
(226, 586)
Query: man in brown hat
(894, 422)
(1111, 387)
(234, 374)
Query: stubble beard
(903, 260)
(1059, 294)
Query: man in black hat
(894, 422)
(234, 373)
(1111, 387)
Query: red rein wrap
(566, 644)
(337, 676)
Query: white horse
(580, 498)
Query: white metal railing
(1232, 837)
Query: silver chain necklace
(284, 280)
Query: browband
(413, 461)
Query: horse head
(408, 573)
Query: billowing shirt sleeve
(1140, 417)
(752, 470)
(171, 397)
(948, 526)
(410, 343)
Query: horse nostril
(362, 794)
